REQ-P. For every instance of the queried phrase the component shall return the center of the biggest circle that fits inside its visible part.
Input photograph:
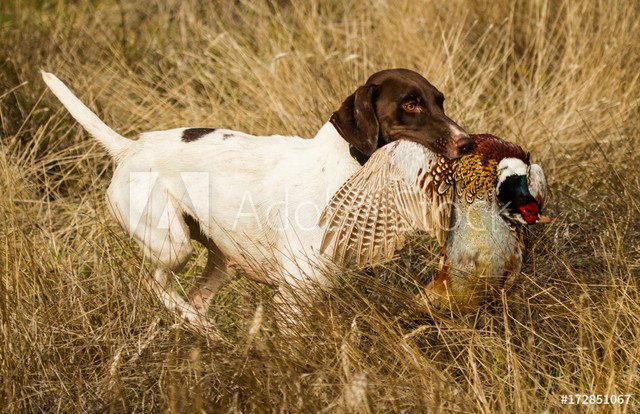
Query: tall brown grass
(77, 331)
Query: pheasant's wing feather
(402, 187)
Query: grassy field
(79, 334)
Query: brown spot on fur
(193, 134)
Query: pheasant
(477, 207)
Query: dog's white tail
(114, 143)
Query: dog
(254, 201)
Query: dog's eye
(411, 106)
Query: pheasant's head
(514, 194)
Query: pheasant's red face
(529, 212)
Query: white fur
(257, 199)
(114, 143)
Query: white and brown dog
(255, 200)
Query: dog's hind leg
(216, 273)
(144, 208)
(214, 276)
(169, 250)
(161, 285)
(170, 258)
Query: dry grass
(77, 332)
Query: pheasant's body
(482, 254)
(483, 251)
(476, 207)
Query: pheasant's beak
(544, 219)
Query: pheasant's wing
(537, 183)
(403, 186)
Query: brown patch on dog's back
(192, 134)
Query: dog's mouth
(460, 146)
(464, 145)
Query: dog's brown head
(398, 104)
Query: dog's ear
(356, 120)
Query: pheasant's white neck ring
(510, 166)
